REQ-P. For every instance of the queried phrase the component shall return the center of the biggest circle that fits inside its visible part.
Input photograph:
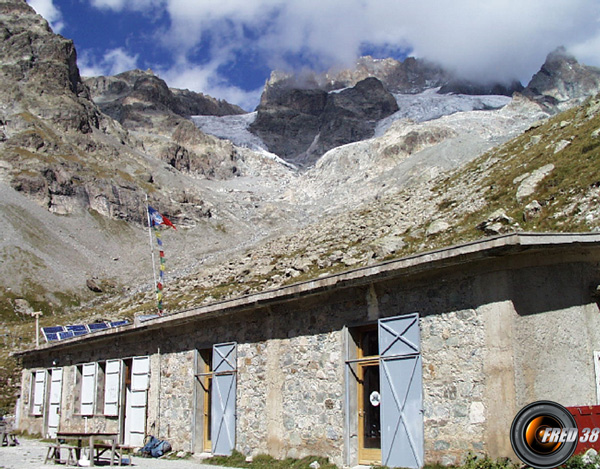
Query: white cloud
(485, 40)
(206, 79)
(495, 38)
(50, 13)
(588, 51)
(114, 61)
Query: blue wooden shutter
(401, 378)
(223, 395)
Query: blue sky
(227, 48)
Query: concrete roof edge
(431, 259)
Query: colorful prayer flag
(156, 219)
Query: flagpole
(151, 244)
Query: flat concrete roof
(433, 260)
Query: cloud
(113, 62)
(506, 38)
(485, 41)
(206, 79)
(588, 51)
(50, 13)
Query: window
(98, 388)
(369, 411)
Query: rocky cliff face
(159, 117)
(70, 154)
(126, 97)
(47, 114)
(563, 82)
(302, 117)
(301, 125)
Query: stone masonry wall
(290, 397)
(176, 398)
(453, 385)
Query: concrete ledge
(498, 246)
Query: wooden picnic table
(95, 441)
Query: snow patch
(234, 128)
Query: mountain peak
(562, 81)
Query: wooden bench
(8, 438)
(120, 451)
(54, 451)
(128, 451)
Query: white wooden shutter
(56, 378)
(140, 378)
(39, 392)
(112, 387)
(88, 388)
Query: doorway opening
(369, 397)
(203, 384)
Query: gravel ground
(30, 454)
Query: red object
(586, 416)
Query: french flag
(157, 219)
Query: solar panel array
(54, 333)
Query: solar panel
(97, 326)
(51, 333)
(78, 329)
(119, 323)
(65, 335)
(55, 333)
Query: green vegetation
(580, 462)
(471, 462)
(263, 461)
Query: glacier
(421, 107)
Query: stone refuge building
(410, 361)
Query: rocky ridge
(302, 117)
(562, 82)
(127, 96)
